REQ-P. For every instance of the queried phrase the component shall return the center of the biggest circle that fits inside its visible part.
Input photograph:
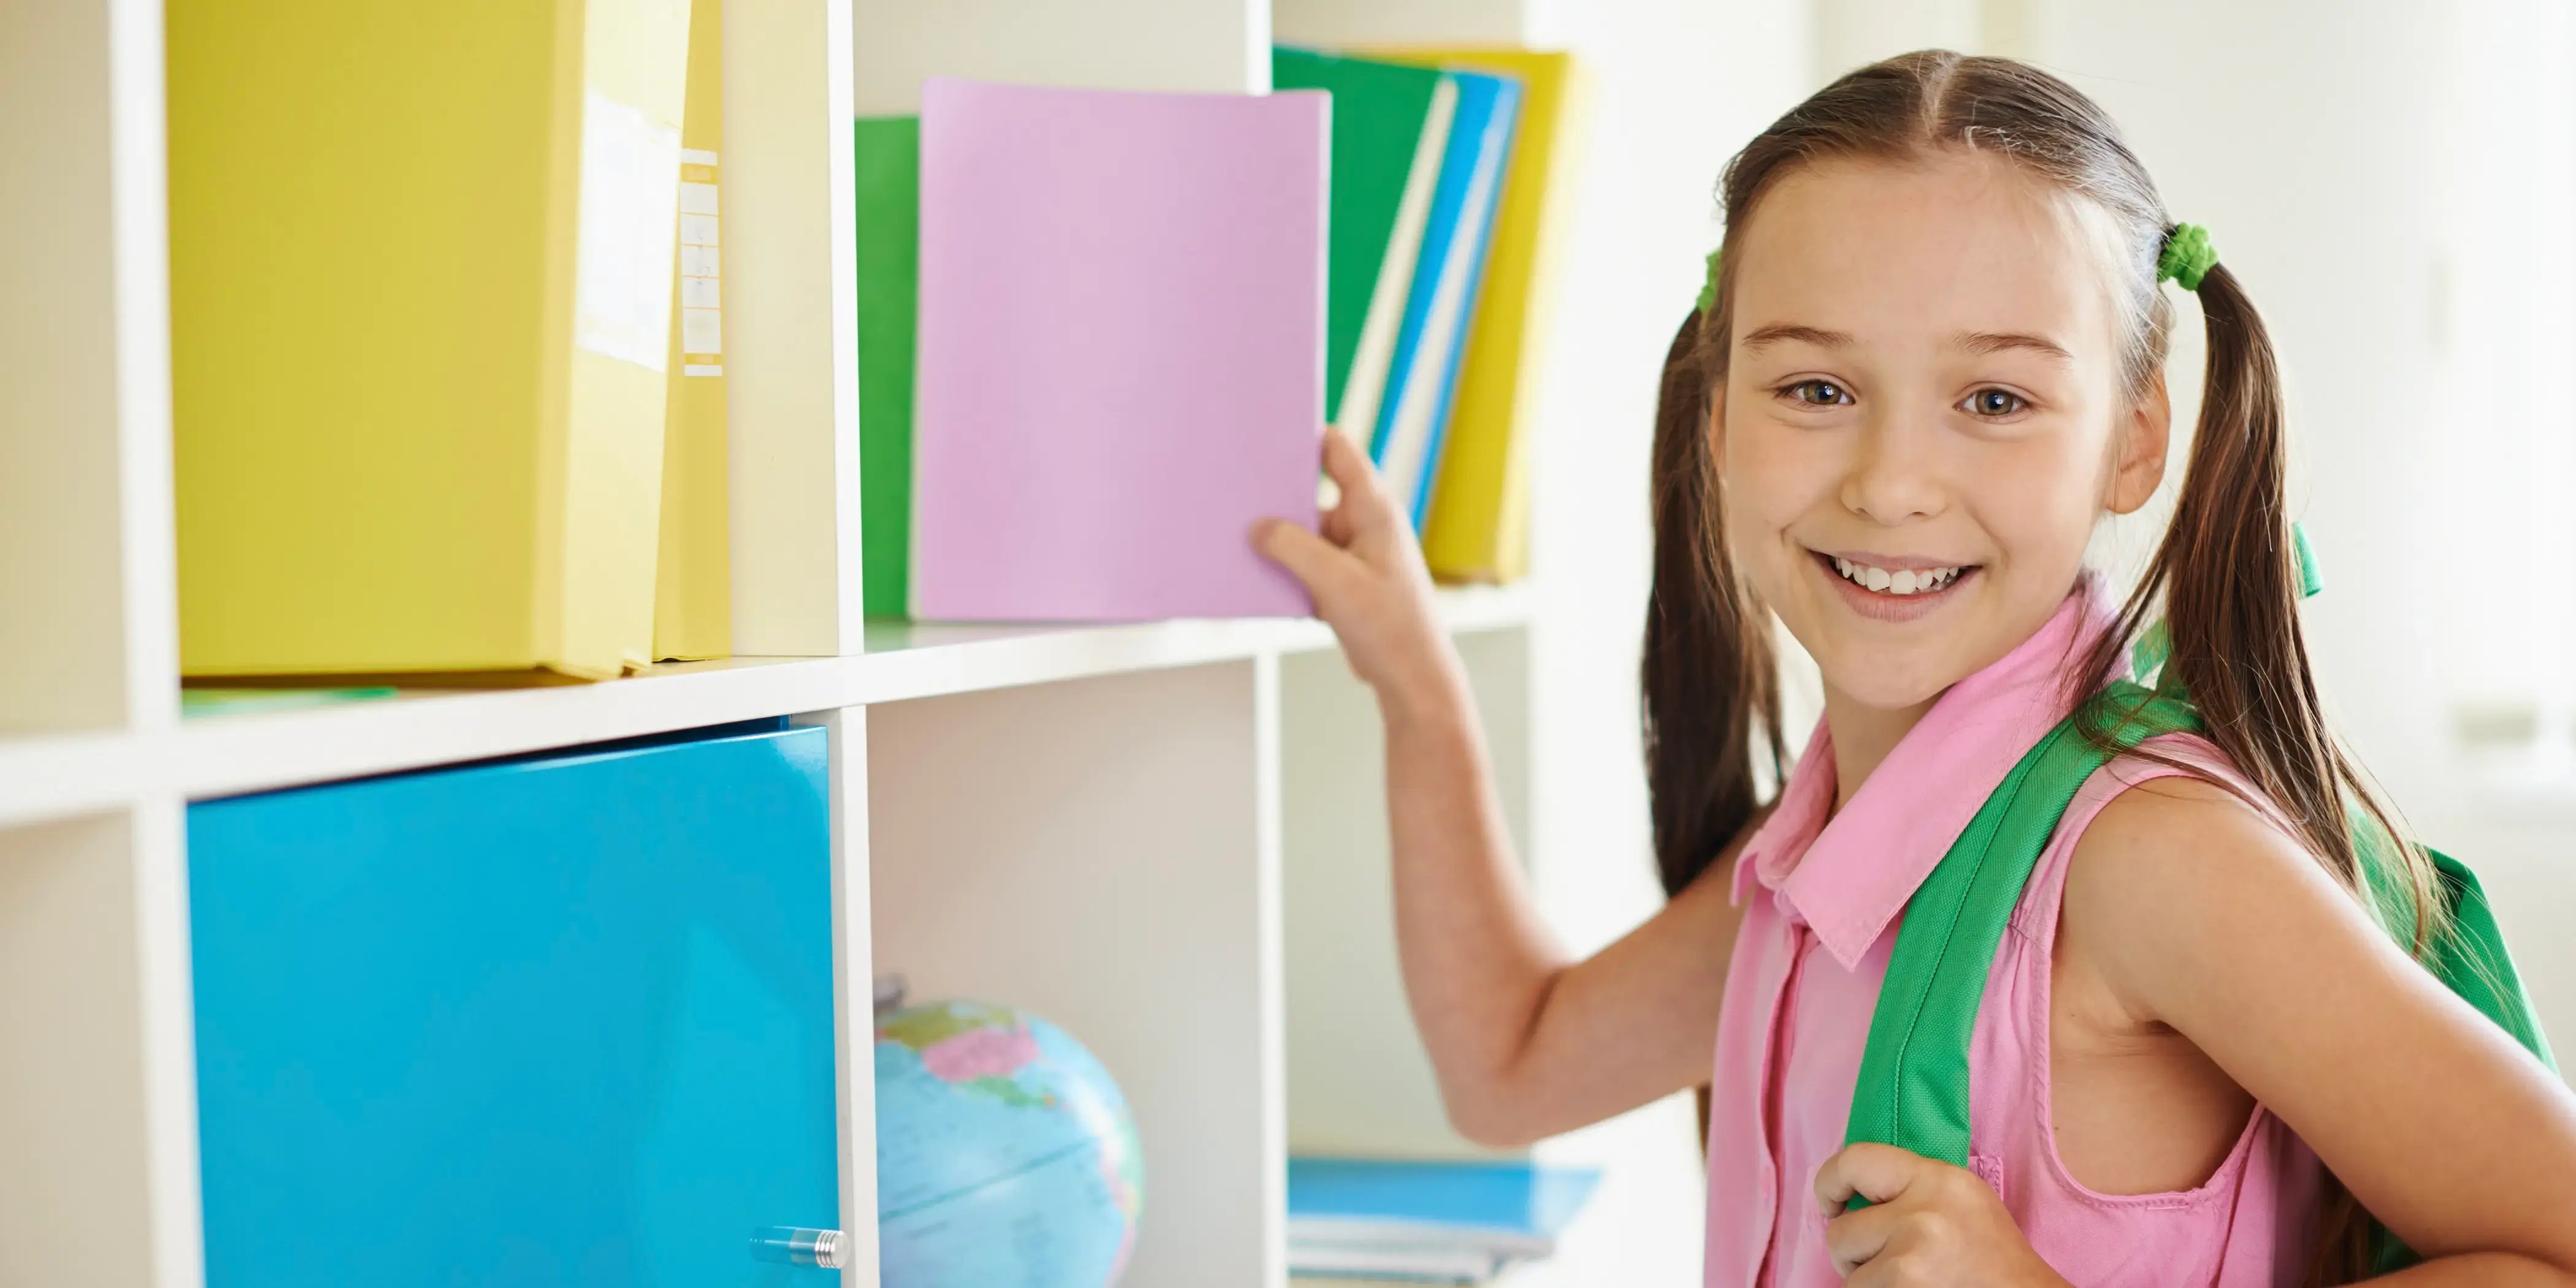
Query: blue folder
(552, 1021)
(1480, 141)
(1522, 1201)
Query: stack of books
(1420, 1222)
(1448, 166)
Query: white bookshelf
(1140, 831)
(47, 776)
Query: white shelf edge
(57, 776)
(52, 776)
(229, 755)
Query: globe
(1005, 1154)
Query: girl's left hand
(1929, 1225)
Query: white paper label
(701, 332)
(630, 175)
(701, 281)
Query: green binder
(889, 255)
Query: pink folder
(1121, 350)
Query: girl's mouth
(1878, 590)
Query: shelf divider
(86, 567)
(853, 992)
(83, 1199)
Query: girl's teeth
(1908, 581)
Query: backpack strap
(1913, 1087)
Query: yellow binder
(421, 266)
(693, 595)
(1478, 526)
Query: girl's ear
(2138, 463)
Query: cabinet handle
(787, 1245)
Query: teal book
(1422, 381)
(561, 1019)
(889, 262)
(1505, 1208)
(1390, 129)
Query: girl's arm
(2203, 917)
(1525, 1042)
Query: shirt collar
(1848, 874)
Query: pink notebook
(1121, 350)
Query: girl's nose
(1894, 476)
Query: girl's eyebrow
(1780, 332)
(1977, 342)
(1985, 342)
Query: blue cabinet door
(547, 1023)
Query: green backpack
(1913, 1088)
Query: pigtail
(2228, 579)
(1709, 678)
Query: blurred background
(2394, 182)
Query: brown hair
(2225, 575)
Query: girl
(1932, 361)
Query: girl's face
(1923, 415)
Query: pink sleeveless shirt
(1822, 898)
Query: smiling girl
(1933, 361)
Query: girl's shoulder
(2176, 846)
(2177, 802)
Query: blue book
(1422, 380)
(1512, 1209)
(565, 1019)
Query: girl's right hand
(1366, 574)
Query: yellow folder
(693, 595)
(1478, 526)
(420, 265)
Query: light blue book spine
(1497, 1201)
(1479, 142)
(1488, 181)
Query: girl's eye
(1819, 393)
(1995, 402)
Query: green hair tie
(1708, 289)
(2187, 256)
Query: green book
(889, 260)
(197, 702)
(1390, 130)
